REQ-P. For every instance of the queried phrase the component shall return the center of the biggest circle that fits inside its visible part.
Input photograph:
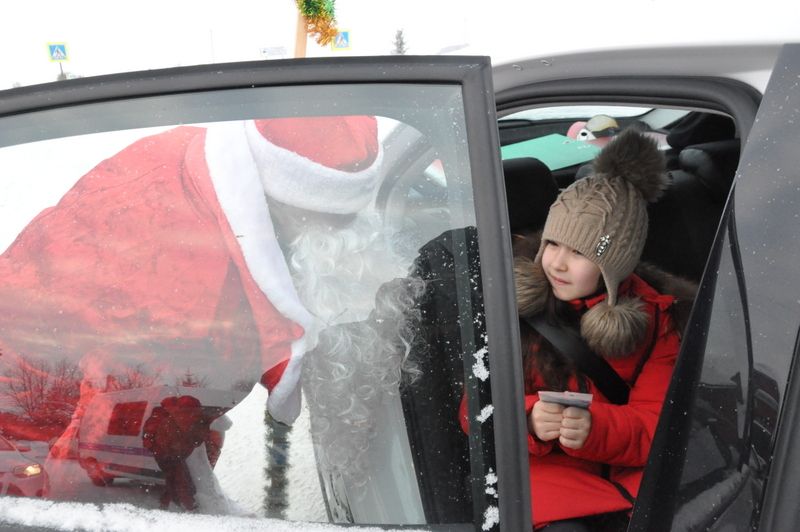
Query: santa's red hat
(323, 164)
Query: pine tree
(399, 44)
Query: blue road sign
(341, 41)
(58, 51)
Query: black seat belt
(569, 342)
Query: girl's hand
(575, 426)
(545, 420)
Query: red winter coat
(567, 483)
(138, 263)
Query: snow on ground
(69, 482)
(241, 467)
(119, 517)
(76, 503)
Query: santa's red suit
(165, 255)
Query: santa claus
(218, 252)
(172, 253)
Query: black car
(370, 272)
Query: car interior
(702, 152)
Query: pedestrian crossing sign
(341, 41)
(58, 52)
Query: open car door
(261, 290)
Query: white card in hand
(582, 400)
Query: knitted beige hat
(604, 217)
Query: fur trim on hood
(531, 286)
(682, 289)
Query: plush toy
(599, 130)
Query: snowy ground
(75, 503)
(241, 467)
(119, 517)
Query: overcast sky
(104, 37)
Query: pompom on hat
(604, 217)
(322, 164)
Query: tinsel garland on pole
(320, 19)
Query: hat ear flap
(615, 331)
(531, 286)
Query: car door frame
(742, 103)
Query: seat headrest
(530, 190)
(714, 164)
(697, 127)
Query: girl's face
(571, 275)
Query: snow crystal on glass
(491, 517)
(491, 480)
(486, 411)
(479, 368)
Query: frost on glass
(218, 319)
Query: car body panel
(749, 64)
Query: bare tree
(44, 392)
(137, 376)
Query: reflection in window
(126, 418)
(150, 301)
(734, 407)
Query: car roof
(748, 63)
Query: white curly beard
(358, 287)
(337, 271)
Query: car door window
(256, 302)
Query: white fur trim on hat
(295, 180)
(240, 194)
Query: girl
(586, 463)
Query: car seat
(683, 223)
(530, 190)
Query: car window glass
(569, 111)
(565, 137)
(126, 419)
(270, 316)
(718, 449)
